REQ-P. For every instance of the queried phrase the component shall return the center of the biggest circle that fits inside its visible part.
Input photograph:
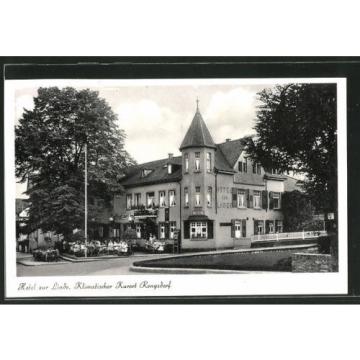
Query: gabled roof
(158, 174)
(232, 149)
(198, 135)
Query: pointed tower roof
(198, 135)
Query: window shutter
(255, 227)
(251, 205)
(243, 227)
(210, 225)
(264, 196)
(267, 228)
(234, 197)
(280, 197)
(276, 225)
(186, 229)
(167, 231)
(247, 198)
(232, 228)
(271, 201)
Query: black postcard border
(203, 67)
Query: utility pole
(86, 205)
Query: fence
(288, 236)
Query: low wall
(309, 262)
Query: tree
(297, 210)
(296, 131)
(49, 146)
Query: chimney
(171, 156)
(227, 140)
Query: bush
(129, 234)
(46, 255)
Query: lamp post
(86, 205)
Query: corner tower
(198, 180)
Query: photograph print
(175, 187)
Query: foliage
(297, 210)
(296, 131)
(50, 142)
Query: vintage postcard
(175, 187)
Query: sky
(155, 117)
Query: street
(118, 266)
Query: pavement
(117, 266)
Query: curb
(39, 263)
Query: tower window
(208, 162)
(209, 196)
(186, 197)
(197, 196)
(197, 161)
(186, 162)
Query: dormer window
(169, 168)
(242, 166)
(256, 168)
(145, 172)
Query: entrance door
(238, 229)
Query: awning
(198, 218)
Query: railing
(288, 236)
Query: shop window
(198, 230)
(137, 200)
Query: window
(162, 199)
(208, 162)
(162, 231)
(276, 200)
(243, 166)
(197, 161)
(238, 229)
(209, 196)
(241, 199)
(128, 201)
(169, 167)
(186, 197)
(172, 198)
(138, 231)
(257, 199)
(279, 226)
(150, 199)
(172, 229)
(198, 230)
(275, 171)
(256, 168)
(271, 227)
(197, 196)
(145, 172)
(260, 227)
(137, 200)
(186, 163)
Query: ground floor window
(198, 229)
(237, 229)
(258, 227)
(279, 226)
(138, 231)
(162, 231)
(172, 229)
